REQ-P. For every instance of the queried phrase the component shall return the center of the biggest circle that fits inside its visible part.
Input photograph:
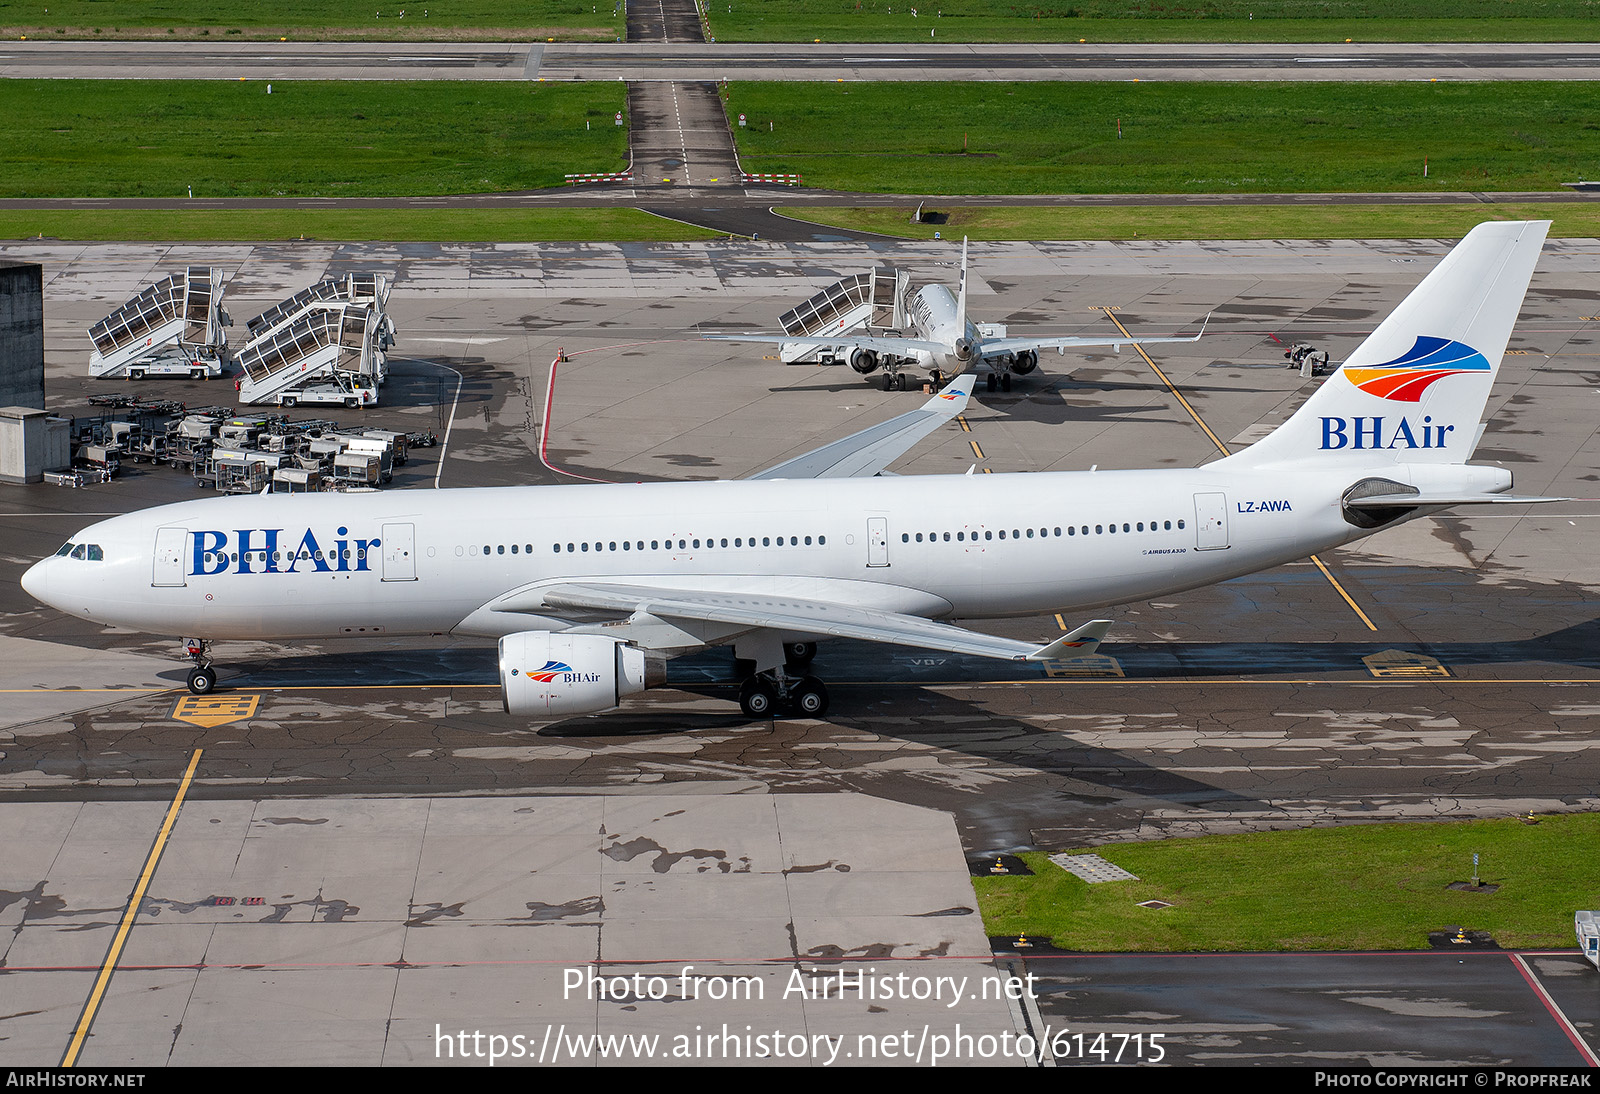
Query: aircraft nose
(36, 582)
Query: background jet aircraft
(943, 342)
(591, 588)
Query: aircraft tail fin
(1415, 390)
(961, 290)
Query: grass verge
(1580, 220)
(1136, 21)
(226, 20)
(1174, 138)
(134, 138)
(1360, 887)
(351, 225)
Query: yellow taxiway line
(1338, 588)
(92, 1005)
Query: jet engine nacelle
(864, 361)
(1025, 362)
(543, 673)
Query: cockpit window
(79, 551)
(66, 548)
(95, 554)
(90, 552)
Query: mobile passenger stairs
(870, 303)
(172, 328)
(325, 345)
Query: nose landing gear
(202, 678)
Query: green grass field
(1446, 221)
(1031, 138)
(451, 19)
(829, 20)
(1368, 887)
(352, 225)
(1151, 21)
(107, 138)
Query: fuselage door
(399, 552)
(1211, 522)
(877, 541)
(170, 543)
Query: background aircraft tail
(1415, 390)
(961, 294)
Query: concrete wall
(21, 334)
(31, 443)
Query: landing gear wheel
(799, 653)
(888, 381)
(810, 698)
(993, 382)
(1005, 381)
(203, 681)
(757, 698)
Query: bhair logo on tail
(1427, 362)
(1415, 390)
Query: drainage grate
(1091, 868)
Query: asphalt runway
(364, 823)
(680, 60)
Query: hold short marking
(214, 710)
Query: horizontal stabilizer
(1413, 501)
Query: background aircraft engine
(1025, 362)
(864, 361)
(543, 674)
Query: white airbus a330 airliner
(590, 588)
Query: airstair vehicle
(172, 328)
(289, 359)
(329, 353)
(870, 301)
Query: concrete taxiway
(371, 855)
(652, 59)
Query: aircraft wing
(867, 453)
(993, 347)
(900, 347)
(822, 618)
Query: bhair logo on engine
(567, 674)
(1429, 360)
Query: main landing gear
(202, 678)
(763, 692)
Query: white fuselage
(935, 317)
(437, 561)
